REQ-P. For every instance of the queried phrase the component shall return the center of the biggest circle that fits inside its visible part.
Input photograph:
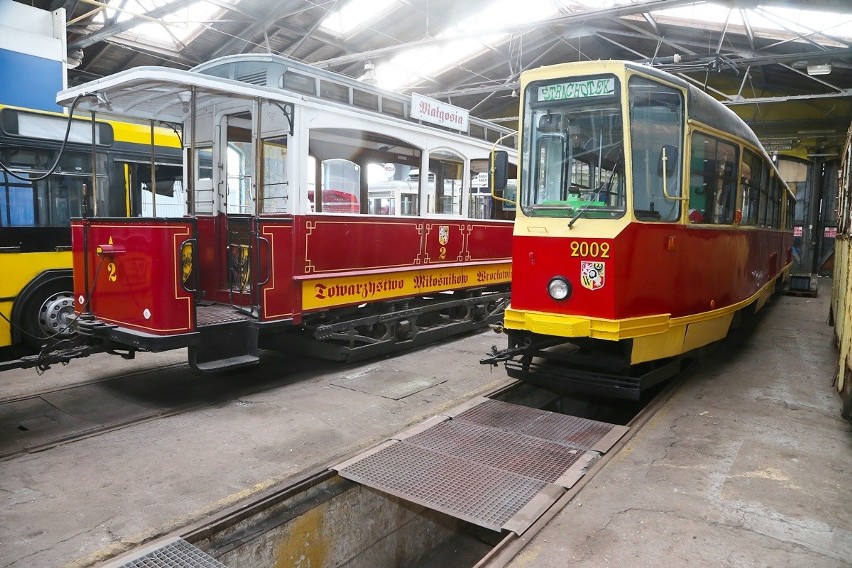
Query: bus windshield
(574, 150)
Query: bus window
(53, 201)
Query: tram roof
(159, 93)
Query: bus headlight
(558, 288)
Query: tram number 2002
(589, 249)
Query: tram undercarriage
(228, 337)
(372, 330)
(581, 365)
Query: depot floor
(748, 464)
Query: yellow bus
(45, 182)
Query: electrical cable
(52, 169)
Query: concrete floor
(749, 464)
(82, 502)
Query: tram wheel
(48, 312)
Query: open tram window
(656, 130)
(340, 186)
(480, 203)
(444, 195)
(393, 188)
(382, 176)
(168, 193)
(712, 180)
(574, 147)
(275, 191)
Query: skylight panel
(171, 31)
(768, 20)
(354, 15)
(411, 66)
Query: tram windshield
(574, 149)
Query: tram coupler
(527, 347)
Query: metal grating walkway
(171, 553)
(491, 463)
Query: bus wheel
(48, 313)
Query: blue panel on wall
(29, 81)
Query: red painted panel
(208, 259)
(137, 285)
(536, 260)
(650, 269)
(444, 241)
(340, 244)
(489, 240)
(281, 295)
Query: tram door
(237, 208)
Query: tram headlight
(559, 288)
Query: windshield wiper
(595, 194)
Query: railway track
(60, 415)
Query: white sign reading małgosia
(436, 112)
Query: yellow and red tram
(650, 221)
(290, 226)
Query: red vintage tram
(650, 221)
(291, 227)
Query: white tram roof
(160, 93)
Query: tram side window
(275, 193)
(444, 195)
(656, 128)
(340, 185)
(362, 172)
(755, 180)
(773, 213)
(204, 180)
(393, 188)
(168, 198)
(712, 180)
(791, 211)
(481, 205)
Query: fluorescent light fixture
(822, 69)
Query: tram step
(225, 346)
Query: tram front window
(574, 149)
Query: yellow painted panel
(547, 324)
(705, 332)
(578, 326)
(329, 291)
(18, 270)
(658, 346)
